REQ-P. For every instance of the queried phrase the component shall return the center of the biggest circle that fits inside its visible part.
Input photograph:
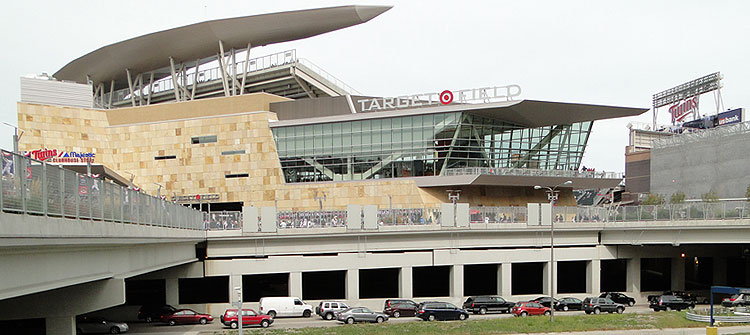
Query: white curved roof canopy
(196, 41)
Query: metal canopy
(197, 41)
(527, 113)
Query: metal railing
(533, 172)
(311, 219)
(224, 220)
(408, 216)
(700, 135)
(214, 73)
(29, 186)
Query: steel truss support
(130, 87)
(246, 68)
(223, 69)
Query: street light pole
(16, 137)
(238, 289)
(552, 194)
(454, 195)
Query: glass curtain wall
(423, 145)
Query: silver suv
(328, 309)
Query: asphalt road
(314, 321)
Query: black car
(682, 294)
(431, 311)
(618, 298)
(599, 305)
(398, 309)
(545, 301)
(391, 302)
(487, 303)
(150, 313)
(567, 304)
(670, 302)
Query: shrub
(677, 198)
(710, 197)
(654, 199)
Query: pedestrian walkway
(669, 331)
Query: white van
(285, 306)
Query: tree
(654, 199)
(677, 198)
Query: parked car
(526, 308)
(670, 302)
(431, 311)
(740, 299)
(328, 309)
(360, 314)
(183, 316)
(569, 303)
(285, 306)
(400, 308)
(97, 325)
(249, 317)
(151, 313)
(487, 303)
(545, 301)
(618, 298)
(389, 302)
(682, 294)
(599, 305)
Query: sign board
(687, 90)
(681, 109)
(730, 117)
(64, 157)
(194, 198)
(483, 94)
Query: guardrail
(33, 187)
(533, 172)
(700, 317)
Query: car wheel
(524, 314)
(307, 313)
(597, 311)
(431, 317)
(203, 321)
(379, 319)
(668, 309)
(264, 323)
(172, 322)
(631, 303)
(329, 316)
(565, 308)
(547, 313)
(114, 330)
(691, 306)
(462, 316)
(233, 325)
(396, 314)
(272, 314)
(620, 310)
(149, 319)
(350, 321)
(587, 312)
(483, 310)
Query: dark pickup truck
(487, 303)
(670, 302)
(684, 295)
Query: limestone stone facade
(129, 141)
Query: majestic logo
(681, 109)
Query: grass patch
(501, 326)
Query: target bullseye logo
(446, 97)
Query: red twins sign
(681, 109)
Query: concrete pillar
(720, 271)
(234, 281)
(295, 284)
(352, 285)
(504, 280)
(65, 325)
(633, 276)
(457, 281)
(546, 287)
(593, 276)
(172, 289)
(405, 289)
(678, 274)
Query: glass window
(204, 139)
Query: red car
(525, 308)
(249, 317)
(186, 316)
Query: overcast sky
(600, 52)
